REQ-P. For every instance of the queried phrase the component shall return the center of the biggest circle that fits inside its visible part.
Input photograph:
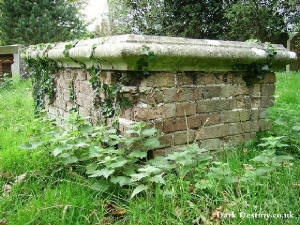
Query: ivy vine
(42, 72)
(108, 98)
(255, 71)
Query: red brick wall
(213, 109)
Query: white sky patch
(95, 11)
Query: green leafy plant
(220, 173)
(100, 152)
(143, 62)
(272, 142)
(6, 82)
(42, 72)
(286, 126)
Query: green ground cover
(50, 193)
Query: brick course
(214, 109)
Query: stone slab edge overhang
(173, 54)
(9, 49)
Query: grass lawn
(50, 193)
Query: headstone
(293, 44)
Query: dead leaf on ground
(106, 220)
(191, 189)
(248, 167)
(115, 210)
(216, 214)
(201, 220)
(20, 178)
(6, 175)
(65, 211)
(178, 211)
(6, 189)
(3, 221)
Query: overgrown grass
(288, 89)
(52, 194)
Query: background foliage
(266, 20)
(31, 22)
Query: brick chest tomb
(188, 89)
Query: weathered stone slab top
(158, 53)
(9, 49)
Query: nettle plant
(264, 165)
(116, 159)
(286, 126)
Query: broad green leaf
(204, 158)
(121, 180)
(118, 164)
(144, 51)
(65, 155)
(204, 184)
(262, 158)
(248, 175)
(282, 158)
(296, 128)
(177, 156)
(70, 160)
(57, 151)
(114, 136)
(231, 179)
(138, 176)
(262, 171)
(128, 171)
(26, 146)
(37, 144)
(149, 132)
(149, 169)
(81, 145)
(265, 67)
(95, 152)
(91, 168)
(157, 179)
(194, 148)
(101, 186)
(138, 189)
(111, 131)
(33, 145)
(86, 128)
(161, 162)
(132, 132)
(152, 143)
(138, 154)
(104, 172)
(81, 139)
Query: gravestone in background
(293, 44)
(16, 65)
